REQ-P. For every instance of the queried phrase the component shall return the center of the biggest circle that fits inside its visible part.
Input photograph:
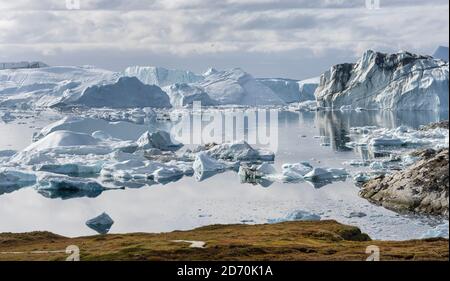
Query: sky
(295, 39)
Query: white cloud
(196, 27)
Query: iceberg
(288, 90)
(47, 86)
(126, 92)
(325, 174)
(182, 95)
(62, 138)
(299, 215)
(161, 76)
(65, 187)
(160, 140)
(295, 172)
(205, 166)
(71, 169)
(236, 87)
(11, 180)
(307, 88)
(121, 130)
(401, 81)
(101, 224)
(238, 151)
(441, 53)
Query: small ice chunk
(386, 141)
(101, 224)
(159, 139)
(346, 108)
(205, 163)
(321, 174)
(297, 171)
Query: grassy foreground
(319, 240)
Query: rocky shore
(420, 188)
(300, 240)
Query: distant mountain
(20, 65)
(401, 81)
(441, 53)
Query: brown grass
(324, 240)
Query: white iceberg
(239, 151)
(239, 88)
(160, 140)
(126, 92)
(325, 174)
(121, 130)
(182, 95)
(160, 76)
(401, 81)
(296, 171)
(11, 180)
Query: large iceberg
(441, 53)
(288, 90)
(161, 76)
(11, 180)
(48, 85)
(238, 87)
(184, 94)
(126, 92)
(401, 81)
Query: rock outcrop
(420, 188)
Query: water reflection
(335, 125)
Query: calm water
(223, 199)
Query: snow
(401, 81)
(125, 92)
(237, 87)
(101, 224)
(160, 140)
(184, 94)
(160, 76)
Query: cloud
(229, 28)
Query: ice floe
(65, 187)
(11, 180)
(160, 140)
(299, 215)
(237, 151)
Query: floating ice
(297, 216)
(183, 95)
(439, 231)
(126, 92)
(238, 151)
(65, 187)
(295, 172)
(324, 174)
(11, 180)
(102, 223)
(161, 76)
(160, 140)
(239, 88)
(71, 169)
(401, 81)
